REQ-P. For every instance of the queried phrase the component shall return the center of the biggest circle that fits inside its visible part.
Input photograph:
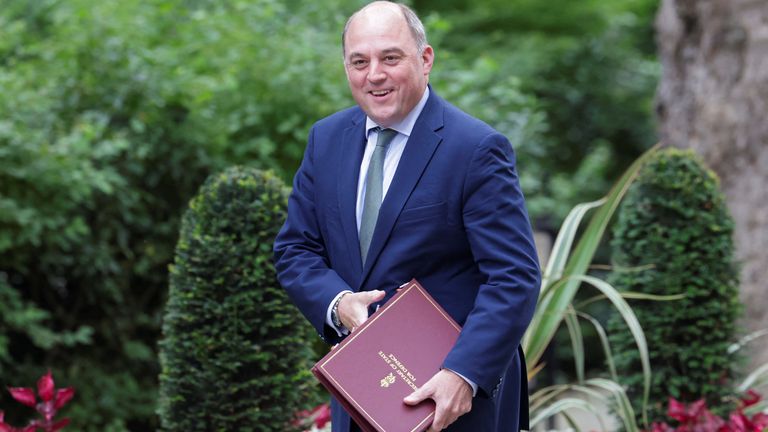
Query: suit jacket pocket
(424, 212)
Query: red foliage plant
(51, 400)
(695, 417)
(318, 417)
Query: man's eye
(391, 59)
(359, 63)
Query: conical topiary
(235, 354)
(674, 236)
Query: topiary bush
(674, 236)
(235, 354)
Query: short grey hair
(413, 21)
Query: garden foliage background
(112, 114)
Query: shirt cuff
(340, 331)
(469, 381)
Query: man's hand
(353, 307)
(452, 396)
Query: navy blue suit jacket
(454, 218)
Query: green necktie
(374, 185)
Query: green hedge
(113, 113)
(673, 236)
(235, 354)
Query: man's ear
(428, 58)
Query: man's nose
(376, 72)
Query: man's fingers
(452, 396)
(442, 420)
(444, 416)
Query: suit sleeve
(501, 241)
(301, 259)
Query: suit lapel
(418, 151)
(351, 154)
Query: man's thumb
(374, 296)
(416, 397)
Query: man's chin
(383, 119)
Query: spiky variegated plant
(565, 272)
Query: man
(405, 185)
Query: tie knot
(385, 137)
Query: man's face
(386, 74)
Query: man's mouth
(380, 93)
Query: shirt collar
(405, 126)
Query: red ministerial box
(399, 348)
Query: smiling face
(386, 73)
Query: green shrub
(112, 114)
(673, 236)
(235, 354)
